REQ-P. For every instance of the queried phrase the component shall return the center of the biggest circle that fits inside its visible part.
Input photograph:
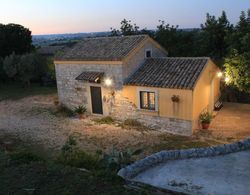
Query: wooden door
(96, 99)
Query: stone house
(132, 77)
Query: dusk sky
(71, 16)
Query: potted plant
(205, 119)
(175, 98)
(80, 111)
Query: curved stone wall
(164, 156)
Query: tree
(26, 67)
(126, 29)
(11, 65)
(215, 33)
(166, 35)
(237, 69)
(14, 38)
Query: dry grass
(38, 120)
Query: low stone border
(161, 157)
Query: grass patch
(23, 172)
(134, 124)
(105, 120)
(15, 91)
(63, 111)
(173, 142)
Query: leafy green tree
(26, 68)
(126, 29)
(215, 33)
(167, 36)
(10, 65)
(237, 70)
(14, 38)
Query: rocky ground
(35, 120)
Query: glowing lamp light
(108, 82)
(219, 74)
(227, 79)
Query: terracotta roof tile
(180, 73)
(102, 48)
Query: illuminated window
(147, 100)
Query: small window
(147, 100)
(148, 53)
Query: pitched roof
(102, 48)
(180, 73)
(93, 77)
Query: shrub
(80, 110)
(71, 155)
(105, 120)
(205, 117)
(115, 160)
(24, 157)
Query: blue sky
(69, 16)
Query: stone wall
(73, 93)
(164, 156)
(124, 109)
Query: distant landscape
(62, 39)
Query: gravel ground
(31, 119)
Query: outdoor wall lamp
(219, 74)
(108, 82)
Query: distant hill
(62, 39)
(71, 38)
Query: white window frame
(139, 99)
(147, 51)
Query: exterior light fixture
(227, 79)
(219, 74)
(108, 82)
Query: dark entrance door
(96, 99)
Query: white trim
(139, 89)
(146, 50)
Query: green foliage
(126, 29)
(26, 67)
(116, 160)
(167, 36)
(14, 39)
(237, 69)
(80, 110)
(206, 117)
(215, 33)
(24, 157)
(71, 155)
(11, 65)
(105, 120)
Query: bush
(24, 157)
(71, 155)
(117, 159)
(105, 120)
